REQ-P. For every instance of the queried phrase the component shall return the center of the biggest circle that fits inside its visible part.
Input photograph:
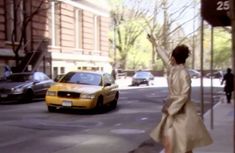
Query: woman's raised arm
(161, 52)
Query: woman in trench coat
(181, 128)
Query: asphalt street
(29, 128)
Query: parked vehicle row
(74, 90)
(217, 74)
(147, 78)
(142, 77)
(196, 74)
(23, 87)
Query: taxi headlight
(87, 96)
(51, 93)
(17, 90)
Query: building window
(14, 19)
(9, 19)
(62, 70)
(94, 68)
(78, 24)
(84, 68)
(55, 71)
(55, 24)
(97, 33)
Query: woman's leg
(229, 95)
(167, 144)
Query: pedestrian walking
(114, 73)
(6, 71)
(228, 88)
(181, 129)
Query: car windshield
(193, 72)
(82, 78)
(141, 74)
(20, 77)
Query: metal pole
(211, 69)
(153, 57)
(193, 45)
(202, 47)
(114, 46)
(232, 13)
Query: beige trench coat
(183, 125)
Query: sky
(190, 12)
(175, 5)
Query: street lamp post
(232, 17)
(114, 46)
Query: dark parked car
(194, 73)
(23, 87)
(217, 74)
(120, 73)
(142, 77)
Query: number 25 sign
(216, 12)
(222, 5)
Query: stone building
(60, 36)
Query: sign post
(232, 13)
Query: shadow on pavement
(16, 102)
(148, 146)
(106, 109)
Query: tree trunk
(17, 58)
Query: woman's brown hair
(180, 54)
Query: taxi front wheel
(99, 105)
(114, 102)
(51, 109)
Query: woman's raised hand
(161, 52)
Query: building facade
(76, 33)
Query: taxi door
(110, 88)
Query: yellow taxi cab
(83, 90)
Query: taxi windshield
(82, 78)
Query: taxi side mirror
(107, 84)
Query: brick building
(75, 32)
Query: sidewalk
(222, 134)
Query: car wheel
(28, 96)
(114, 102)
(147, 83)
(99, 105)
(51, 109)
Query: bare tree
(127, 28)
(170, 32)
(20, 13)
(162, 19)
